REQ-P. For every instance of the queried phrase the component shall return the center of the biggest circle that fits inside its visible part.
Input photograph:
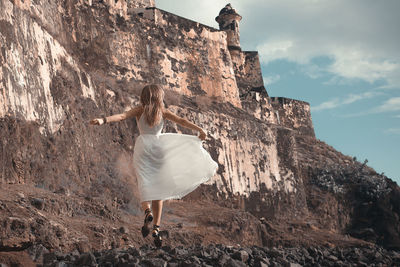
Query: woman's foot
(147, 220)
(157, 236)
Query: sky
(342, 57)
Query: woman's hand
(202, 135)
(97, 121)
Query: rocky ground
(59, 229)
(221, 255)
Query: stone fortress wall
(92, 57)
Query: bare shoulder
(169, 115)
(135, 111)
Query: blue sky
(342, 56)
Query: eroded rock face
(66, 62)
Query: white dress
(169, 165)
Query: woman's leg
(147, 219)
(145, 205)
(157, 210)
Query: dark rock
(36, 252)
(241, 255)
(172, 264)
(223, 259)
(62, 264)
(49, 258)
(37, 203)
(166, 248)
(260, 262)
(133, 251)
(189, 263)
(154, 262)
(123, 230)
(87, 259)
(194, 259)
(235, 263)
(362, 264)
(179, 251)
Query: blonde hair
(152, 101)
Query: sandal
(157, 236)
(147, 220)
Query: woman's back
(145, 128)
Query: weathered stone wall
(182, 55)
(248, 73)
(293, 114)
(260, 106)
(140, 3)
(30, 58)
(248, 151)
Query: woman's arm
(184, 122)
(136, 111)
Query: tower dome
(228, 20)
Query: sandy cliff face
(65, 62)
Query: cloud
(271, 79)
(349, 99)
(358, 64)
(330, 104)
(360, 36)
(392, 104)
(362, 42)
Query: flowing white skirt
(170, 165)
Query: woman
(167, 165)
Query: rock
(154, 262)
(123, 230)
(261, 262)
(223, 259)
(332, 258)
(37, 251)
(179, 251)
(241, 255)
(87, 259)
(37, 203)
(195, 259)
(133, 251)
(234, 263)
(167, 249)
(62, 264)
(362, 264)
(189, 263)
(49, 258)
